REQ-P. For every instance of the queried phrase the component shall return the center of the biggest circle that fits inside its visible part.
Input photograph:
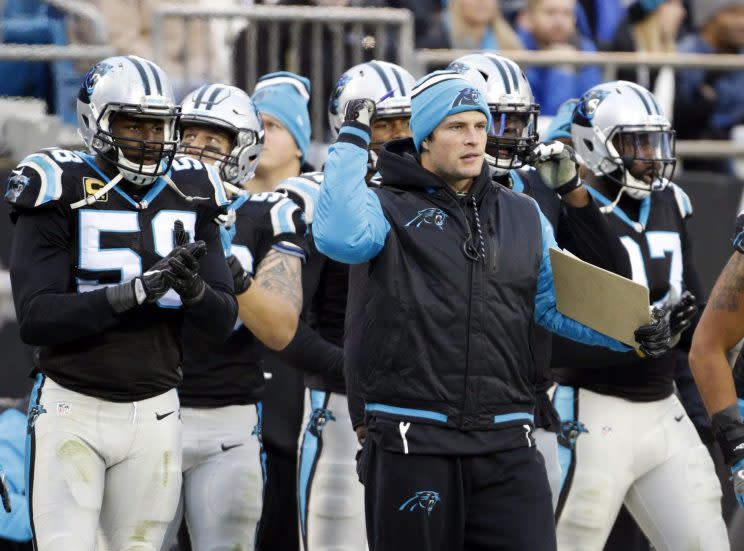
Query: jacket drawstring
(479, 229)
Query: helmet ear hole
(589, 145)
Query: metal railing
(88, 13)
(609, 61)
(39, 52)
(341, 37)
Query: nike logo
(678, 419)
(225, 448)
(164, 415)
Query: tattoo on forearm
(280, 273)
(729, 289)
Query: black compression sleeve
(214, 315)
(588, 235)
(354, 396)
(310, 353)
(49, 311)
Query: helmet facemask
(641, 158)
(240, 164)
(513, 133)
(140, 162)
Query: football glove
(654, 338)
(557, 165)
(681, 315)
(146, 288)
(241, 279)
(360, 110)
(4, 492)
(728, 429)
(182, 272)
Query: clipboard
(606, 302)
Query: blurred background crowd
(565, 46)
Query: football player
(547, 172)
(114, 251)
(330, 497)
(719, 330)
(263, 238)
(625, 437)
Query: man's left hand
(182, 272)
(556, 163)
(654, 338)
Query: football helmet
(511, 103)
(231, 109)
(618, 127)
(133, 86)
(387, 84)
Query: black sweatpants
(499, 501)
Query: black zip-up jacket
(455, 285)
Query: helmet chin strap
(609, 208)
(635, 191)
(129, 171)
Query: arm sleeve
(49, 313)
(349, 224)
(214, 316)
(310, 353)
(546, 313)
(354, 396)
(586, 233)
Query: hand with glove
(143, 289)
(654, 338)
(728, 429)
(681, 315)
(361, 111)
(557, 165)
(241, 279)
(182, 273)
(4, 492)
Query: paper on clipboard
(606, 302)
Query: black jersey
(324, 287)
(64, 257)
(232, 373)
(659, 249)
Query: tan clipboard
(606, 302)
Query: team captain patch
(91, 185)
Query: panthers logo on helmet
(459, 67)
(467, 96)
(340, 85)
(93, 76)
(589, 102)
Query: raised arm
(349, 224)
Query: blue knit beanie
(284, 95)
(439, 95)
(560, 125)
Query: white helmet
(510, 100)
(135, 87)
(385, 83)
(231, 109)
(624, 115)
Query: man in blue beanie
(459, 272)
(281, 98)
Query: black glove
(360, 110)
(241, 279)
(728, 429)
(738, 239)
(682, 314)
(146, 288)
(557, 165)
(4, 492)
(182, 273)
(654, 338)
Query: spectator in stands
(472, 25)
(599, 19)
(425, 13)
(551, 25)
(710, 103)
(650, 26)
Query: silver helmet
(511, 103)
(385, 83)
(619, 124)
(136, 87)
(231, 109)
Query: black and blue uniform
(454, 286)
